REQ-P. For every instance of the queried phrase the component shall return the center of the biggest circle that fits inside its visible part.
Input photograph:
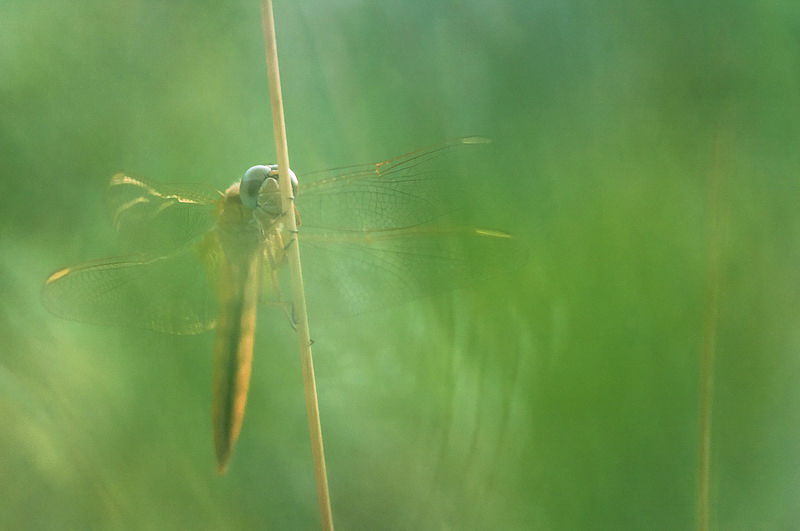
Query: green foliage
(563, 395)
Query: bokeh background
(644, 153)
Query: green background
(563, 395)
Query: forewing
(402, 192)
(159, 218)
(356, 272)
(173, 293)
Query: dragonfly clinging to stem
(372, 235)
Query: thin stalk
(713, 280)
(293, 255)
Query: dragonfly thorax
(239, 228)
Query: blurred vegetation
(561, 396)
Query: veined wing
(367, 270)
(153, 217)
(402, 192)
(171, 293)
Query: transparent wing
(153, 217)
(172, 293)
(361, 271)
(402, 192)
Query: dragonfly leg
(280, 242)
(274, 267)
(293, 321)
(290, 315)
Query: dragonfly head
(259, 189)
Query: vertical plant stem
(293, 254)
(711, 316)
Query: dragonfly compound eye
(251, 184)
(293, 178)
(259, 188)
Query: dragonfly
(372, 235)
